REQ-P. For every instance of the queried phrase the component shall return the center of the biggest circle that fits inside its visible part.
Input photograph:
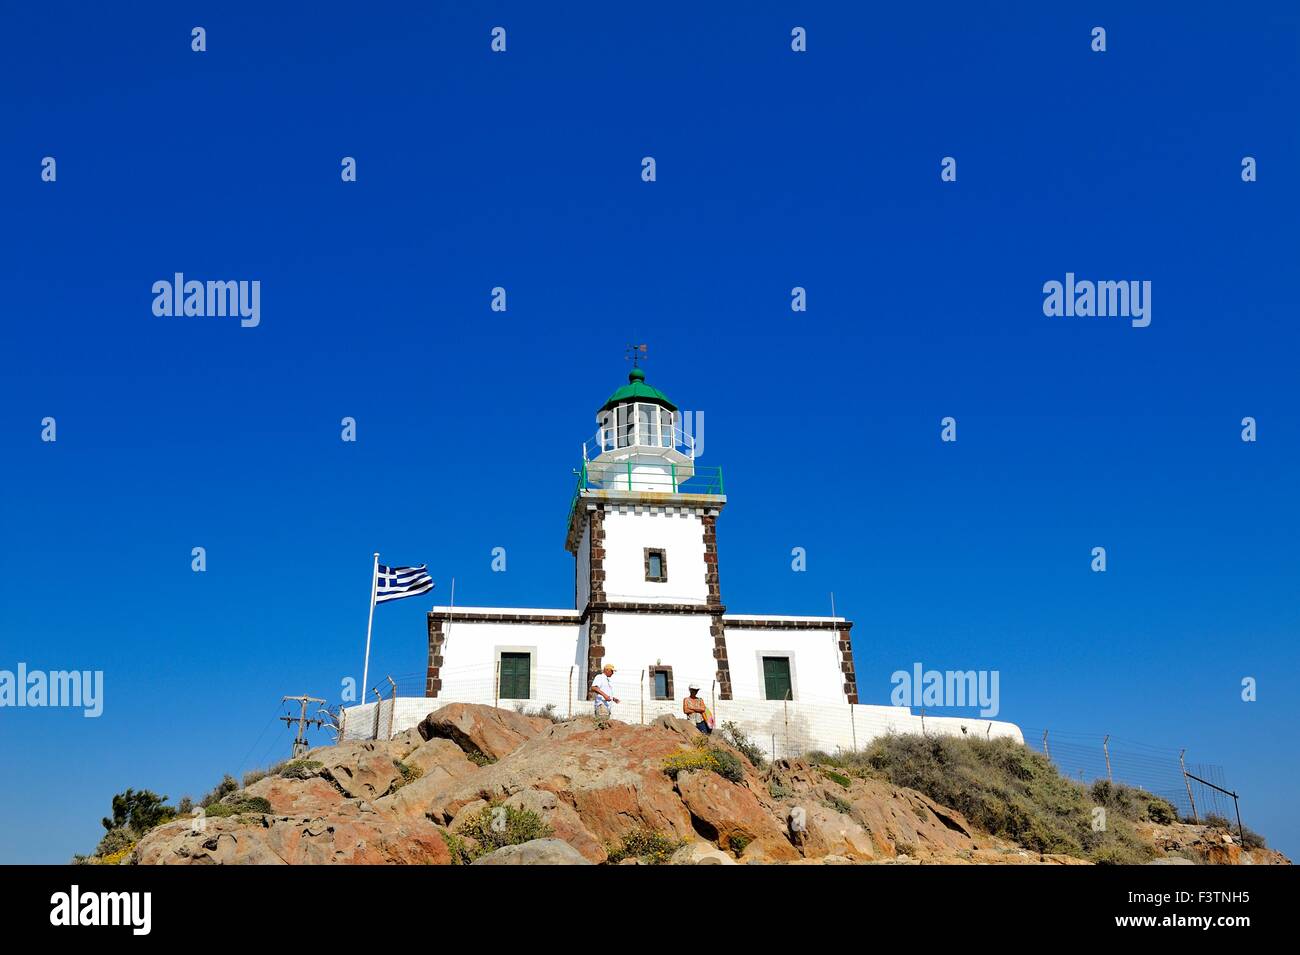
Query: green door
(776, 677)
(515, 682)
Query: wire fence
(794, 727)
(781, 727)
(1087, 757)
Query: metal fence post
(392, 706)
(785, 705)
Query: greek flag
(394, 583)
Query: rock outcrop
(594, 791)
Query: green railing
(624, 476)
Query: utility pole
(300, 741)
(1105, 745)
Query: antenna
(637, 352)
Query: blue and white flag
(394, 583)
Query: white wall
(780, 729)
(472, 649)
(629, 530)
(636, 641)
(815, 672)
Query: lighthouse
(642, 529)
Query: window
(661, 682)
(776, 678)
(645, 424)
(656, 565)
(665, 428)
(624, 425)
(516, 682)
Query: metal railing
(669, 478)
(630, 476)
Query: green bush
(1008, 790)
(492, 828)
(726, 764)
(115, 840)
(838, 804)
(223, 789)
(253, 775)
(237, 805)
(654, 848)
(300, 768)
(138, 811)
(406, 774)
(737, 737)
(837, 778)
(1249, 839)
(778, 791)
(1131, 802)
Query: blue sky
(522, 170)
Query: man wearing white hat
(603, 689)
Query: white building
(642, 529)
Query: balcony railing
(668, 478)
(630, 476)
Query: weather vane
(636, 352)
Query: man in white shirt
(603, 690)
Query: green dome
(637, 390)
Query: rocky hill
(476, 784)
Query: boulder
(481, 730)
(817, 830)
(611, 777)
(349, 837)
(535, 852)
(360, 770)
(297, 796)
(440, 758)
(729, 814)
(563, 819)
(700, 853)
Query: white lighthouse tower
(642, 527)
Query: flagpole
(374, 583)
